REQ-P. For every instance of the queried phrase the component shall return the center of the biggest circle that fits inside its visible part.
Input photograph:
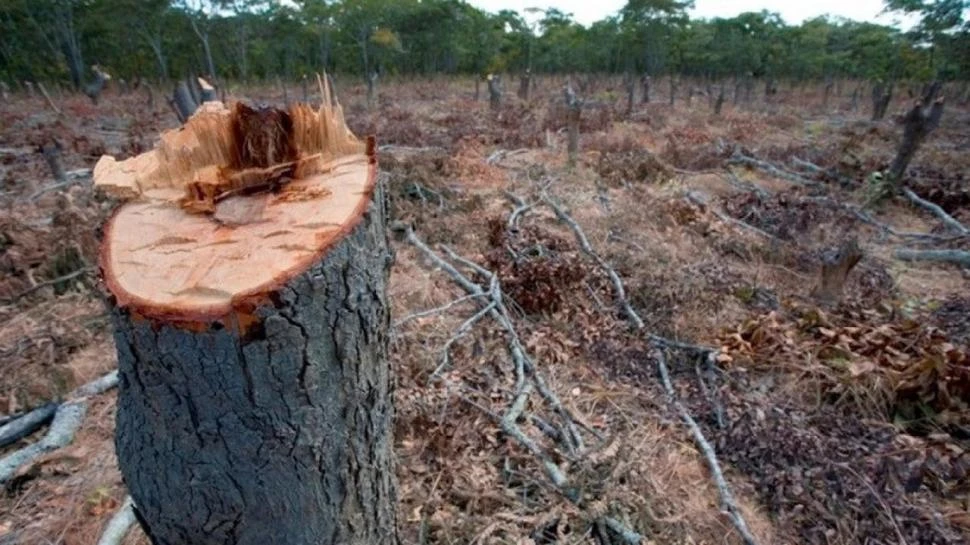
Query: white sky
(792, 11)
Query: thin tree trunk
(574, 108)
(917, 125)
(494, 92)
(720, 101)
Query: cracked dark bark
(280, 435)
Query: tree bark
(494, 92)
(184, 104)
(917, 125)
(574, 108)
(525, 82)
(254, 399)
(279, 436)
(719, 103)
(881, 97)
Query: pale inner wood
(166, 257)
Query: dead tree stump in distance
(248, 283)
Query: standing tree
(200, 17)
(249, 300)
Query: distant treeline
(43, 40)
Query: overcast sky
(793, 11)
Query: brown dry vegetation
(846, 423)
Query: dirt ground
(836, 422)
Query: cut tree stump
(835, 269)
(247, 276)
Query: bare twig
(433, 311)
(584, 244)
(740, 159)
(51, 282)
(459, 333)
(47, 97)
(882, 502)
(527, 381)
(937, 211)
(728, 505)
(701, 201)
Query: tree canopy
(258, 39)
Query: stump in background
(836, 266)
(247, 277)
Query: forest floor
(835, 422)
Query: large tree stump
(248, 281)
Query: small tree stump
(247, 277)
(494, 91)
(836, 266)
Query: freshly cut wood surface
(165, 260)
(231, 206)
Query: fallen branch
(119, 525)
(733, 179)
(527, 381)
(728, 505)
(584, 244)
(865, 217)
(51, 282)
(73, 177)
(26, 424)
(937, 211)
(433, 311)
(47, 97)
(501, 154)
(67, 419)
(521, 207)
(61, 433)
(393, 148)
(815, 169)
(97, 386)
(957, 257)
(701, 201)
(740, 159)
